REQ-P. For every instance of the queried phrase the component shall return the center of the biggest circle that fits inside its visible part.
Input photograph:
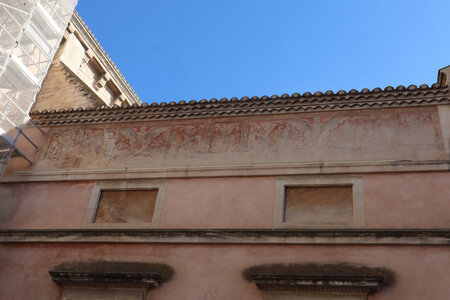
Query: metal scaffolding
(30, 33)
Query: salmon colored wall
(214, 272)
(219, 203)
(407, 200)
(49, 205)
(396, 200)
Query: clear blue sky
(193, 49)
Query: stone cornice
(282, 169)
(111, 274)
(320, 283)
(90, 40)
(335, 278)
(329, 101)
(231, 236)
(119, 280)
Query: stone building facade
(315, 196)
(83, 75)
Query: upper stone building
(306, 196)
(83, 75)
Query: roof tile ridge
(274, 99)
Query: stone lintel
(102, 274)
(337, 278)
(119, 280)
(363, 284)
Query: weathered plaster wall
(397, 200)
(49, 205)
(407, 200)
(375, 135)
(213, 272)
(219, 203)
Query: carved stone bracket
(101, 81)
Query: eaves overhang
(389, 97)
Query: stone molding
(283, 169)
(110, 274)
(125, 185)
(353, 100)
(231, 236)
(118, 280)
(94, 48)
(355, 181)
(319, 283)
(320, 278)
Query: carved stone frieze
(407, 134)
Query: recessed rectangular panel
(318, 205)
(126, 206)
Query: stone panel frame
(358, 220)
(124, 185)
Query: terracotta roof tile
(342, 100)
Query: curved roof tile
(353, 99)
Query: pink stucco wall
(49, 205)
(407, 200)
(396, 200)
(214, 272)
(219, 203)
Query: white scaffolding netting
(30, 33)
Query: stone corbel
(88, 55)
(66, 35)
(70, 29)
(120, 100)
(101, 82)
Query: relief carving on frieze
(347, 135)
(226, 137)
(276, 135)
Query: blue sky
(171, 50)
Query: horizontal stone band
(232, 236)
